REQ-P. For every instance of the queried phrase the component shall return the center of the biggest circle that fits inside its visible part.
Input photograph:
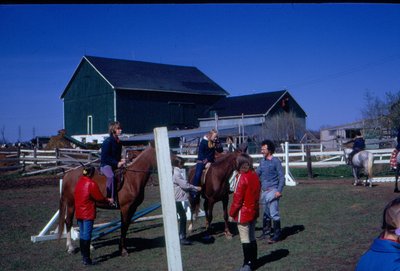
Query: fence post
(288, 178)
(309, 164)
(35, 155)
(168, 199)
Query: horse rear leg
(228, 233)
(68, 225)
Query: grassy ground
(327, 225)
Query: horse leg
(396, 188)
(355, 174)
(126, 216)
(228, 233)
(208, 207)
(68, 225)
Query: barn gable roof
(147, 76)
(253, 104)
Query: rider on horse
(209, 144)
(358, 145)
(111, 150)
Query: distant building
(274, 115)
(141, 95)
(335, 137)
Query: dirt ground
(27, 204)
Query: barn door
(90, 125)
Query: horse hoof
(124, 253)
(228, 235)
(70, 251)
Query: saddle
(204, 174)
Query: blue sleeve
(281, 176)
(202, 150)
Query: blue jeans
(197, 176)
(85, 229)
(271, 204)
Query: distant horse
(361, 160)
(215, 188)
(130, 194)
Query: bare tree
(381, 116)
(285, 126)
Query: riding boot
(253, 254)
(85, 251)
(266, 230)
(247, 255)
(183, 240)
(277, 232)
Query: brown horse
(130, 195)
(215, 188)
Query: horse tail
(61, 215)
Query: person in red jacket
(87, 193)
(245, 209)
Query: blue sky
(326, 55)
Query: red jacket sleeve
(238, 198)
(96, 194)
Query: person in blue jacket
(358, 145)
(111, 150)
(209, 144)
(384, 253)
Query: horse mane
(221, 159)
(139, 157)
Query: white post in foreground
(288, 177)
(168, 199)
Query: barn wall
(142, 111)
(88, 94)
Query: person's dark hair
(391, 217)
(244, 158)
(270, 144)
(178, 162)
(88, 171)
(358, 133)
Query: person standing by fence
(111, 150)
(181, 189)
(87, 193)
(245, 209)
(272, 181)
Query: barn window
(90, 125)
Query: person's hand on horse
(110, 201)
(208, 165)
(121, 163)
(198, 188)
(278, 195)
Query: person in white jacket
(181, 189)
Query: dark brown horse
(215, 188)
(130, 195)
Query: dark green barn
(141, 95)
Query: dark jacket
(87, 192)
(207, 154)
(359, 144)
(111, 152)
(245, 205)
(382, 255)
